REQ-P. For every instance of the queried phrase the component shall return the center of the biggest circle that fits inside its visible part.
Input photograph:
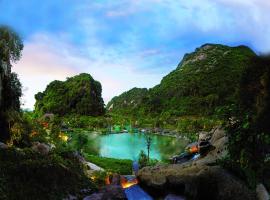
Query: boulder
(193, 181)
(204, 136)
(219, 142)
(262, 193)
(217, 134)
(41, 148)
(109, 192)
(3, 146)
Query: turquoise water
(129, 145)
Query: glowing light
(128, 183)
(63, 137)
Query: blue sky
(125, 43)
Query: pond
(129, 145)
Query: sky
(124, 43)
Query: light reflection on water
(129, 145)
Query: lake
(129, 145)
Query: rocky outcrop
(198, 179)
(218, 140)
(113, 191)
(195, 182)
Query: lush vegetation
(80, 95)
(204, 81)
(26, 174)
(121, 166)
(248, 128)
(215, 84)
(10, 88)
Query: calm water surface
(129, 145)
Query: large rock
(262, 193)
(3, 146)
(195, 182)
(219, 142)
(204, 136)
(218, 133)
(41, 148)
(110, 192)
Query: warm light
(63, 137)
(127, 184)
(193, 149)
(107, 180)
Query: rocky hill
(204, 81)
(129, 101)
(80, 94)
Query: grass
(121, 166)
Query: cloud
(126, 43)
(46, 58)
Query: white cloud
(155, 34)
(46, 59)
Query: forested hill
(205, 80)
(80, 94)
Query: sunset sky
(125, 43)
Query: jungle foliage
(10, 87)
(80, 95)
(204, 81)
(248, 128)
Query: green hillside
(205, 80)
(80, 94)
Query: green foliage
(129, 102)
(248, 128)
(12, 91)
(10, 44)
(189, 126)
(99, 177)
(121, 166)
(81, 141)
(86, 122)
(10, 87)
(80, 95)
(204, 80)
(143, 160)
(29, 175)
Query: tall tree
(10, 88)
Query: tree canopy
(80, 95)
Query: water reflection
(129, 145)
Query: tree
(10, 88)
(142, 159)
(148, 145)
(81, 141)
(11, 45)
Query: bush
(143, 161)
(28, 175)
